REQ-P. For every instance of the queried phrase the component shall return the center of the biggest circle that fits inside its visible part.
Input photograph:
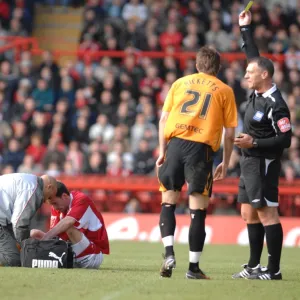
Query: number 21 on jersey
(195, 98)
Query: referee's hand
(244, 141)
(245, 18)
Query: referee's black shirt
(267, 116)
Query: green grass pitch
(132, 272)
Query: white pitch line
(115, 295)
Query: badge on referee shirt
(258, 116)
(284, 125)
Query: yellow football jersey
(199, 106)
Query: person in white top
(135, 11)
(21, 195)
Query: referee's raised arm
(249, 46)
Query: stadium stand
(96, 112)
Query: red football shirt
(88, 220)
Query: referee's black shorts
(187, 161)
(259, 181)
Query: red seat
(99, 196)
(100, 199)
(144, 200)
(117, 201)
(155, 203)
(286, 203)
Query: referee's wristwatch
(254, 143)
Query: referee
(267, 131)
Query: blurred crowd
(100, 115)
(16, 18)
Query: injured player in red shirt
(74, 218)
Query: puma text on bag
(46, 254)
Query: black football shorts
(259, 181)
(190, 162)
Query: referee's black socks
(256, 233)
(196, 237)
(167, 224)
(274, 237)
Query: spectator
(67, 91)
(75, 157)
(118, 153)
(4, 12)
(135, 11)
(7, 169)
(123, 115)
(106, 104)
(171, 36)
(102, 129)
(81, 130)
(114, 9)
(28, 166)
(132, 35)
(138, 129)
(48, 61)
(43, 96)
(88, 46)
(217, 37)
(20, 133)
(96, 6)
(16, 28)
(41, 125)
(36, 149)
(14, 155)
(116, 168)
(144, 161)
(133, 206)
(96, 163)
(55, 156)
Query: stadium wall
(219, 229)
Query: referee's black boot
(265, 274)
(246, 272)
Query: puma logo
(52, 254)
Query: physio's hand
(220, 172)
(245, 18)
(160, 160)
(36, 234)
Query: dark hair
(208, 61)
(61, 189)
(265, 64)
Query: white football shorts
(90, 261)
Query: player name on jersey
(202, 81)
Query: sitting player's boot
(246, 272)
(196, 275)
(167, 266)
(265, 274)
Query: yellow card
(249, 5)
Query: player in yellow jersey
(197, 109)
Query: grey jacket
(21, 195)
